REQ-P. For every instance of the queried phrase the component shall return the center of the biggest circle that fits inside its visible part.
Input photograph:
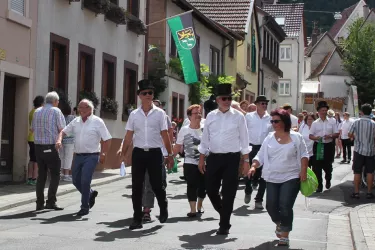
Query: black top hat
(322, 104)
(224, 90)
(144, 84)
(261, 98)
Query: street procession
(251, 124)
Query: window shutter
(253, 55)
(18, 6)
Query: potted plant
(84, 94)
(98, 6)
(109, 108)
(135, 24)
(116, 14)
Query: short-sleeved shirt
(68, 139)
(88, 134)
(364, 136)
(147, 128)
(30, 136)
(344, 127)
(322, 128)
(190, 139)
(47, 123)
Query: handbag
(309, 186)
(320, 150)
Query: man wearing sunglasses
(225, 138)
(258, 125)
(147, 128)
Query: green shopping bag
(175, 167)
(320, 150)
(309, 186)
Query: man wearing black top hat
(224, 140)
(147, 128)
(258, 125)
(326, 131)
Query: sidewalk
(362, 223)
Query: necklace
(278, 139)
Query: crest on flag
(186, 37)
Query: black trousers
(257, 177)
(222, 168)
(195, 182)
(47, 158)
(347, 149)
(325, 164)
(152, 161)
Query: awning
(310, 87)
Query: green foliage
(359, 61)
(176, 67)
(156, 70)
(90, 96)
(63, 98)
(109, 105)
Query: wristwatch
(170, 154)
(247, 160)
(103, 154)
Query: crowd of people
(269, 151)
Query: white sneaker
(67, 178)
(258, 205)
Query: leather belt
(87, 154)
(149, 149)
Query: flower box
(135, 24)
(116, 14)
(108, 115)
(97, 6)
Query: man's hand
(58, 145)
(326, 137)
(303, 176)
(170, 162)
(102, 158)
(202, 166)
(246, 168)
(166, 161)
(251, 172)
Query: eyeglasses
(264, 103)
(275, 121)
(228, 98)
(147, 92)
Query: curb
(358, 238)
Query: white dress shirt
(87, 135)
(304, 130)
(225, 133)
(345, 126)
(258, 128)
(294, 120)
(322, 128)
(147, 128)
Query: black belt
(149, 149)
(45, 145)
(230, 153)
(86, 154)
(255, 145)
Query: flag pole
(189, 11)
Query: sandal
(370, 196)
(201, 211)
(146, 216)
(283, 242)
(191, 215)
(355, 196)
(278, 231)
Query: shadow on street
(186, 219)
(269, 246)
(126, 234)
(73, 217)
(24, 215)
(199, 240)
(177, 182)
(244, 211)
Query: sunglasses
(275, 121)
(264, 103)
(228, 98)
(147, 92)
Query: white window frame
(285, 47)
(281, 87)
(17, 17)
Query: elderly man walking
(47, 123)
(88, 131)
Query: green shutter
(253, 54)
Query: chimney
(366, 10)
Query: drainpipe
(145, 63)
(298, 76)
(223, 54)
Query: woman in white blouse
(304, 130)
(285, 159)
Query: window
(181, 106)
(173, 48)
(109, 76)
(284, 87)
(253, 54)
(133, 7)
(86, 61)
(174, 105)
(130, 83)
(214, 60)
(248, 56)
(286, 52)
(18, 6)
(269, 53)
(59, 63)
(231, 49)
(264, 44)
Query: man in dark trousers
(147, 128)
(224, 139)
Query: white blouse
(304, 130)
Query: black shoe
(319, 190)
(39, 207)
(54, 207)
(92, 198)
(83, 212)
(348, 162)
(135, 225)
(163, 215)
(222, 231)
(328, 184)
(343, 161)
(182, 178)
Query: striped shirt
(47, 123)
(68, 139)
(363, 130)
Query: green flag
(182, 29)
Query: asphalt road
(106, 227)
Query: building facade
(18, 22)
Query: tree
(359, 59)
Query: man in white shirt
(344, 136)
(147, 128)
(323, 129)
(225, 138)
(258, 126)
(293, 118)
(88, 131)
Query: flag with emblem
(182, 29)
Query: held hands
(245, 168)
(202, 166)
(251, 172)
(58, 145)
